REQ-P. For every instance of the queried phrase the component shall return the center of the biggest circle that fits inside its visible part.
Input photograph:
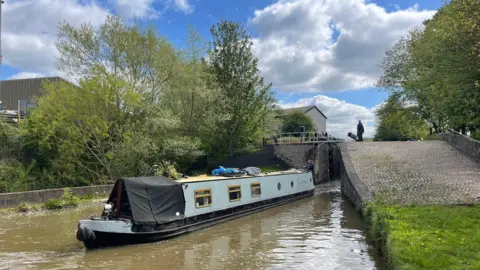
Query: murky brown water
(321, 232)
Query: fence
(300, 137)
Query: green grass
(427, 237)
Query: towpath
(422, 172)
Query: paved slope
(424, 172)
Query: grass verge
(427, 237)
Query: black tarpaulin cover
(154, 199)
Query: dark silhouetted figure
(360, 131)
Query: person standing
(360, 131)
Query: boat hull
(94, 239)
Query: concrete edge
(14, 199)
(352, 187)
(466, 145)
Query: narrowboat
(154, 208)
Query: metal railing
(300, 137)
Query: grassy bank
(427, 237)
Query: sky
(314, 52)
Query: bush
(53, 204)
(292, 122)
(23, 208)
(69, 199)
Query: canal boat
(154, 208)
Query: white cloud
(184, 6)
(25, 75)
(297, 49)
(135, 8)
(342, 116)
(30, 27)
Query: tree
(113, 123)
(131, 53)
(437, 67)
(294, 121)
(246, 99)
(399, 121)
(193, 97)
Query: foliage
(427, 237)
(68, 199)
(438, 67)
(14, 176)
(169, 168)
(53, 204)
(292, 122)
(246, 99)
(23, 207)
(136, 101)
(397, 121)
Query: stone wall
(297, 156)
(351, 185)
(463, 143)
(39, 196)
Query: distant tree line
(433, 76)
(138, 102)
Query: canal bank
(419, 200)
(320, 232)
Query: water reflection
(321, 232)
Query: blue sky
(315, 52)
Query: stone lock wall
(297, 156)
(351, 186)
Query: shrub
(23, 208)
(53, 204)
(68, 198)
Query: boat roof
(204, 177)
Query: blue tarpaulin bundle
(225, 171)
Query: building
(318, 117)
(17, 95)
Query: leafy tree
(398, 121)
(113, 123)
(293, 122)
(193, 97)
(133, 54)
(437, 67)
(246, 99)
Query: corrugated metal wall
(11, 91)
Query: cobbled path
(423, 172)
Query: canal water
(320, 232)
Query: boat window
(203, 197)
(255, 189)
(234, 193)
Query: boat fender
(84, 233)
